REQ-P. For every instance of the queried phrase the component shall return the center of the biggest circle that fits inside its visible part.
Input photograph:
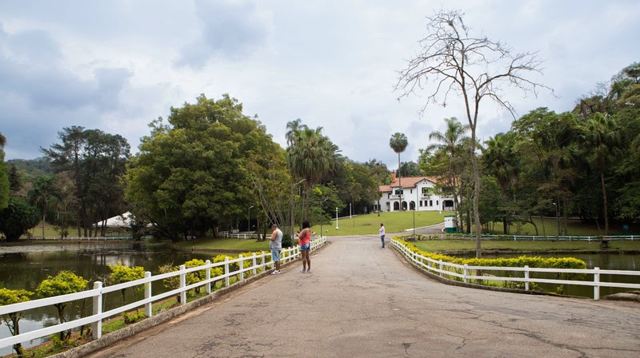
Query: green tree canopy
(17, 218)
(202, 169)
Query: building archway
(412, 205)
(396, 206)
(404, 205)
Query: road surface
(364, 301)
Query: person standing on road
(304, 238)
(381, 232)
(275, 244)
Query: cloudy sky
(117, 65)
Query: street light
(337, 226)
(249, 218)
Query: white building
(418, 193)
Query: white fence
(243, 235)
(545, 238)
(258, 261)
(466, 273)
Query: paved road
(361, 300)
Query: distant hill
(31, 168)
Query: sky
(117, 65)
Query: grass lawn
(224, 244)
(469, 245)
(549, 226)
(370, 223)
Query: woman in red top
(304, 238)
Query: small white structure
(418, 193)
(122, 220)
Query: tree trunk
(505, 225)
(400, 182)
(476, 194)
(605, 204)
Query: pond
(26, 269)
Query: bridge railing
(258, 261)
(466, 273)
(543, 238)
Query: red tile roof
(407, 182)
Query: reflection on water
(26, 270)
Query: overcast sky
(117, 65)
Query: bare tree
(452, 60)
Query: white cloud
(117, 65)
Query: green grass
(550, 228)
(469, 245)
(370, 223)
(224, 244)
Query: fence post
(241, 266)
(596, 283)
(226, 272)
(148, 307)
(255, 270)
(466, 273)
(97, 309)
(183, 283)
(440, 267)
(526, 277)
(207, 276)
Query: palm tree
(44, 190)
(601, 138)
(452, 142)
(398, 143)
(311, 156)
(501, 160)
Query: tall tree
(601, 138)
(451, 144)
(42, 195)
(311, 156)
(96, 162)
(4, 177)
(473, 66)
(201, 171)
(398, 143)
(502, 162)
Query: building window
(437, 203)
(430, 202)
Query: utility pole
(337, 226)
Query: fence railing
(466, 273)
(81, 238)
(242, 235)
(257, 261)
(544, 238)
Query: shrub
(12, 320)
(133, 317)
(196, 276)
(61, 284)
(121, 273)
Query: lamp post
(337, 226)
(249, 218)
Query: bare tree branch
(450, 59)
